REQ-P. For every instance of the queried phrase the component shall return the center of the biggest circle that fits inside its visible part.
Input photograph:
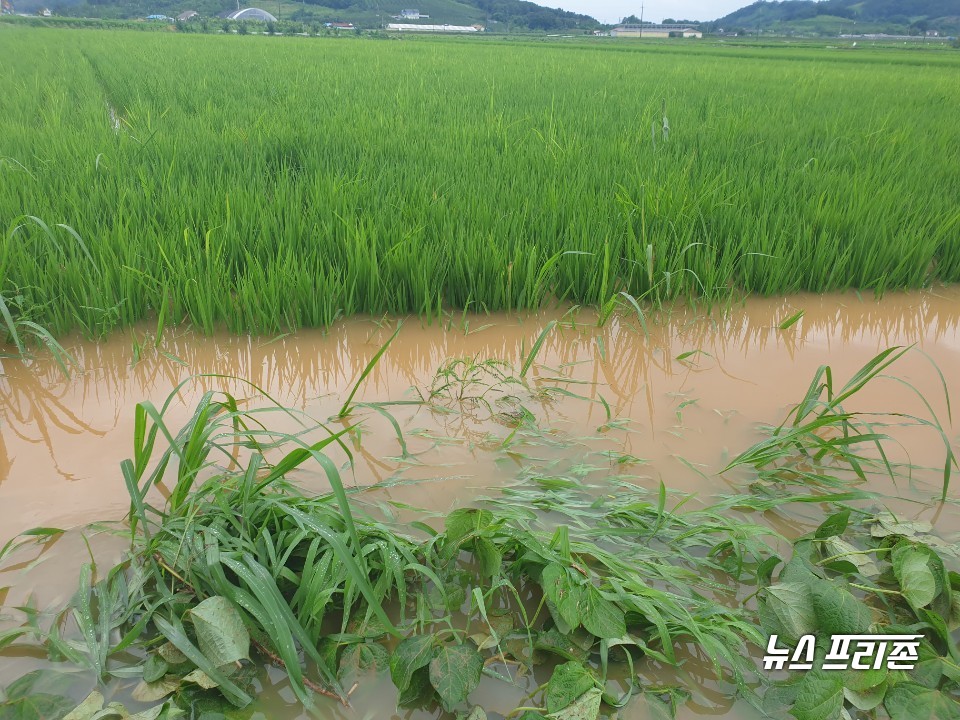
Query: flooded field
(671, 399)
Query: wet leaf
(418, 688)
(834, 547)
(154, 669)
(91, 705)
(476, 714)
(221, 635)
(168, 651)
(411, 654)
(568, 682)
(601, 617)
(838, 611)
(791, 604)
(886, 523)
(566, 595)
(586, 707)
(565, 646)
(151, 692)
(488, 557)
(866, 700)
(454, 673)
(199, 677)
(917, 582)
(909, 701)
(819, 696)
(833, 525)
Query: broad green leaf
(221, 635)
(410, 655)
(819, 696)
(842, 550)
(586, 707)
(837, 610)
(566, 646)
(866, 700)
(40, 706)
(454, 673)
(601, 617)
(792, 605)
(476, 714)
(909, 701)
(917, 583)
(154, 669)
(418, 687)
(566, 595)
(488, 557)
(833, 525)
(466, 522)
(568, 682)
(91, 705)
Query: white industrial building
(416, 27)
(650, 30)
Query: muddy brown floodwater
(695, 390)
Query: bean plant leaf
(488, 557)
(601, 617)
(91, 705)
(887, 523)
(221, 634)
(151, 692)
(842, 550)
(568, 682)
(909, 701)
(819, 696)
(833, 525)
(586, 707)
(566, 595)
(154, 669)
(791, 604)
(837, 610)
(454, 673)
(411, 654)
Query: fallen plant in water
(604, 584)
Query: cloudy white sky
(611, 11)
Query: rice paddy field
(264, 184)
(476, 379)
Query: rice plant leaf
(345, 410)
(568, 682)
(411, 654)
(455, 672)
(586, 707)
(221, 634)
(819, 696)
(791, 321)
(534, 351)
(917, 582)
(909, 701)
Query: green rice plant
(819, 437)
(228, 205)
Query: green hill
(495, 14)
(846, 16)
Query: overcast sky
(610, 11)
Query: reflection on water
(694, 390)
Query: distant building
(340, 26)
(650, 30)
(411, 15)
(6, 8)
(188, 15)
(251, 14)
(163, 18)
(44, 12)
(410, 27)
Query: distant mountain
(901, 16)
(496, 14)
